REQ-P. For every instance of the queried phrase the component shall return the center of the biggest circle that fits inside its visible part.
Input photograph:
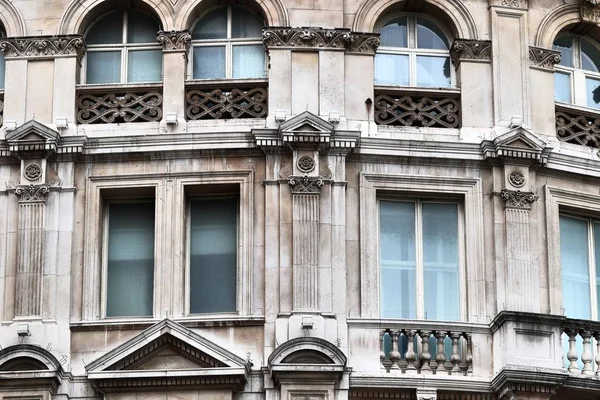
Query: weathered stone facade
(309, 153)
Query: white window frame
(124, 48)
(228, 43)
(412, 51)
(419, 263)
(467, 191)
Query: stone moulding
(43, 46)
(319, 38)
(542, 58)
(472, 50)
(32, 193)
(510, 3)
(590, 11)
(174, 40)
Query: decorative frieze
(226, 104)
(43, 46)
(320, 38)
(471, 50)
(518, 199)
(306, 184)
(174, 40)
(144, 105)
(524, 4)
(413, 110)
(542, 58)
(590, 11)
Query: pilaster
(541, 71)
(175, 47)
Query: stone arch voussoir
(11, 19)
(554, 22)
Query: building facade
(300, 199)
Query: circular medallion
(516, 178)
(33, 172)
(306, 164)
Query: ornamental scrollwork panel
(32, 193)
(414, 110)
(43, 46)
(344, 39)
(476, 50)
(306, 184)
(226, 104)
(518, 199)
(119, 107)
(543, 58)
(174, 40)
(590, 11)
(578, 128)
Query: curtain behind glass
(212, 26)
(430, 36)
(130, 271)
(245, 24)
(144, 66)
(209, 62)
(433, 71)
(564, 44)
(574, 259)
(397, 259)
(107, 30)
(249, 61)
(391, 69)
(141, 28)
(213, 255)
(562, 87)
(395, 33)
(103, 67)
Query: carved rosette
(590, 11)
(518, 199)
(344, 39)
(33, 172)
(306, 184)
(43, 46)
(517, 178)
(174, 40)
(32, 193)
(542, 58)
(472, 50)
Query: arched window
(227, 43)
(122, 48)
(414, 51)
(577, 77)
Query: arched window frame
(123, 47)
(412, 51)
(228, 42)
(577, 76)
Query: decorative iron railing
(403, 107)
(578, 126)
(96, 105)
(226, 100)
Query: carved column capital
(32, 193)
(471, 50)
(319, 38)
(510, 3)
(590, 11)
(306, 184)
(542, 58)
(43, 46)
(518, 199)
(174, 40)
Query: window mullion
(419, 261)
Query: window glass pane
(141, 28)
(144, 66)
(394, 33)
(562, 87)
(103, 67)
(433, 71)
(440, 261)
(397, 259)
(597, 257)
(209, 62)
(593, 92)
(245, 24)
(391, 69)
(564, 44)
(430, 36)
(249, 61)
(107, 30)
(130, 271)
(575, 270)
(213, 244)
(590, 56)
(2, 70)
(212, 26)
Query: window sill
(595, 112)
(413, 324)
(117, 86)
(227, 83)
(220, 320)
(448, 91)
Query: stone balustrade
(581, 342)
(421, 351)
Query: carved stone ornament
(510, 3)
(33, 172)
(543, 58)
(174, 40)
(474, 50)
(590, 11)
(518, 199)
(305, 164)
(366, 43)
(43, 46)
(516, 178)
(306, 184)
(32, 193)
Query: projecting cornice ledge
(513, 379)
(320, 39)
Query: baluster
(440, 357)
(586, 356)
(469, 359)
(455, 358)
(410, 353)
(425, 356)
(572, 353)
(382, 353)
(394, 354)
(597, 337)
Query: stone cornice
(590, 11)
(471, 50)
(319, 38)
(174, 40)
(542, 58)
(516, 378)
(43, 46)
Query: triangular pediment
(306, 122)
(33, 137)
(518, 143)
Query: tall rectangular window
(130, 259)
(420, 259)
(213, 255)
